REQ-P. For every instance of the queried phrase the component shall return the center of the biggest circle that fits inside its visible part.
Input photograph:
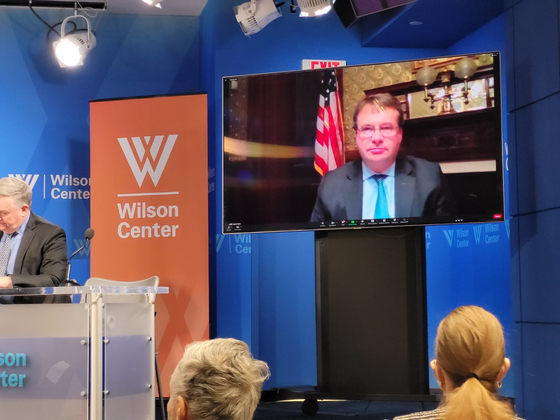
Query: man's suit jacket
(41, 260)
(420, 191)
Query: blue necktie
(381, 205)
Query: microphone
(89, 236)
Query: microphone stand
(67, 281)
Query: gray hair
(17, 189)
(219, 379)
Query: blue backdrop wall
(44, 109)
(265, 283)
(533, 34)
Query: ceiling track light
(312, 8)
(255, 15)
(71, 49)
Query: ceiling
(133, 7)
(168, 7)
(442, 22)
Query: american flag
(329, 151)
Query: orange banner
(149, 209)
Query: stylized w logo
(141, 158)
(219, 241)
(80, 243)
(449, 236)
(28, 179)
(477, 231)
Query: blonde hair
(470, 348)
(219, 379)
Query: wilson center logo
(147, 159)
(449, 236)
(477, 233)
(82, 243)
(27, 178)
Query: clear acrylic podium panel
(49, 368)
(46, 362)
(129, 361)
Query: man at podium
(32, 250)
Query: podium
(92, 359)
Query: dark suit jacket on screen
(420, 191)
(41, 260)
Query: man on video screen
(383, 183)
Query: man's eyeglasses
(367, 132)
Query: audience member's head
(470, 364)
(216, 380)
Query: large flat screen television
(403, 143)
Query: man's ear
(182, 409)
(177, 408)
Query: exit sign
(321, 64)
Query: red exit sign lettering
(321, 64)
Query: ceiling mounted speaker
(349, 11)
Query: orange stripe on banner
(149, 209)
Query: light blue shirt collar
(368, 173)
(21, 229)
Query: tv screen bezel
(231, 227)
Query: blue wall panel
(510, 141)
(282, 277)
(537, 128)
(533, 28)
(541, 370)
(509, 3)
(509, 63)
(539, 266)
(234, 288)
(279, 47)
(515, 269)
(470, 265)
(44, 109)
(535, 50)
(284, 315)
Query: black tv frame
(246, 204)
